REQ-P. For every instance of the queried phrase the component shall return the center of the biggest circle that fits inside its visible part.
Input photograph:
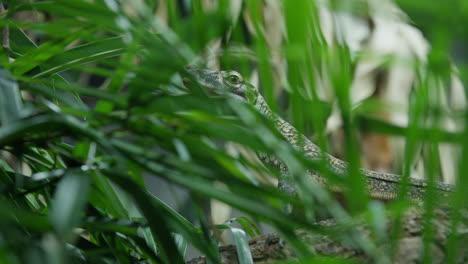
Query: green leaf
(90, 52)
(19, 41)
(181, 243)
(104, 107)
(150, 241)
(81, 149)
(70, 201)
(248, 225)
(105, 197)
(24, 217)
(155, 215)
(242, 244)
(11, 107)
(38, 56)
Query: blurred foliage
(91, 102)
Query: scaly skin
(381, 186)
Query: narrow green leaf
(38, 56)
(70, 200)
(82, 54)
(181, 243)
(242, 244)
(150, 241)
(106, 195)
(104, 107)
(19, 41)
(24, 217)
(11, 107)
(249, 226)
(81, 149)
(155, 215)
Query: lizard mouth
(202, 78)
(191, 83)
(187, 82)
(188, 77)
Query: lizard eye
(233, 79)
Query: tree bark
(270, 248)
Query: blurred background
(378, 83)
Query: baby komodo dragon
(381, 186)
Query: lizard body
(381, 186)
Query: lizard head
(228, 83)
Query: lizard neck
(261, 105)
(289, 132)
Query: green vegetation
(90, 104)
